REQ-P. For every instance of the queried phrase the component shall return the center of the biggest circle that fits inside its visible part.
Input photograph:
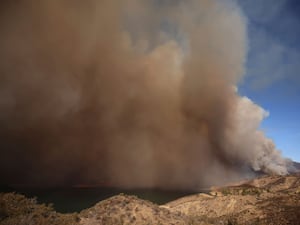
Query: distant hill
(296, 165)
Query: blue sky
(272, 76)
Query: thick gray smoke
(129, 93)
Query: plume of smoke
(130, 93)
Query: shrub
(17, 209)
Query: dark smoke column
(127, 93)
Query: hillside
(267, 200)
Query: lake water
(67, 200)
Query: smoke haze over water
(130, 93)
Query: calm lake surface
(67, 200)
